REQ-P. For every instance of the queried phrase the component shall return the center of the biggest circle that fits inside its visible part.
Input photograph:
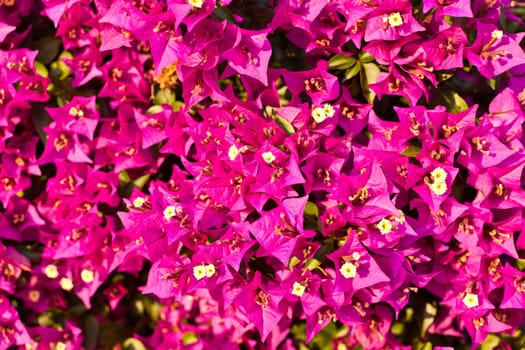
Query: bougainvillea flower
(278, 230)
(355, 267)
(251, 54)
(479, 323)
(454, 8)
(260, 305)
(20, 221)
(13, 330)
(494, 52)
(79, 116)
(316, 83)
(391, 21)
(62, 144)
(445, 51)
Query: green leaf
(112, 333)
(397, 328)
(123, 176)
(50, 318)
(491, 342)
(177, 105)
(411, 151)
(284, 124)
(428, 318)
(189, 338)
(294, 261)
(48, 48)
(91, 329)
(152, 308)
(369, 74)
(223, 13)
(426, 346)
(352, 72)
(341, 62)
(311, 209)
(41, 119)
(166, 96)
(520, 264)
(312, 264)
(452, 101)
(154, 109)
(365, 57)
(41, 69)
(133, 344)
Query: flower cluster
(253, 174)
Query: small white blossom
(298, 289)
(66, 283)
(439, 188)
(210, 270)
(496, 34)
(384, 226)
(51, 271)
(87, 276)
(268, 157)
(471, 300)
(395, 19)
(169, 212)
(139, 202)
(348, 270)
(233, 152)
(439, 174)
(319, 114)
(196, 3)
(199, 272)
